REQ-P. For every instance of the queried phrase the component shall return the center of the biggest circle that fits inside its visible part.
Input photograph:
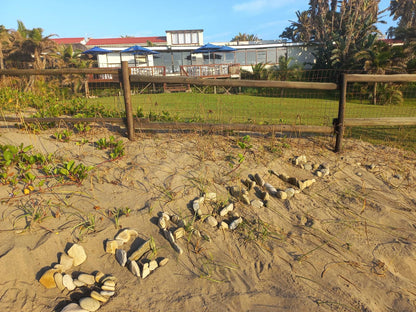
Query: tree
(340, 29)
(403, 11)
(245, 37)
(4, 42)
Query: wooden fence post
(125, 75)
(340, 126)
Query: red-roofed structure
(76, 40)
(126, 41)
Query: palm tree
(245, 37)
(4, 41)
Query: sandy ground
(347, 243)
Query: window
(174, 38)
(181, 38)
(194, 37)
(187, 38)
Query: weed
(116, 213)
(86, 225)
(82, 142)
(82, 127)
(33, 211)
(63, 136)
(118, 151)
(245, 145)
(70, 170)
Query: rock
(265, 195)
(270, 189)
(99, 276)
(153, 265)
(235, 191)
(145, 270)
(109, 278)
(145, 247)
(110, 283)
(112, 244)
(305, 184)
(397, 176)
(319, 174)
(163, 215)
(281, 194)
(73, 307)
(307, 166)
(169, 236)
(108, 288)
(163, 262)
(68, 282)
(178, 233)
(59, 281)
(196, 205)
(121, 257)
(59, 268)
(134, 268)
(87, 278)
(210, 196)
(284, 177)
(325, 172)
(125, 235)
(294, 181)
(359, 174)
(89, 304)
(227, 209)
(256, 203)
(259, 180)
(211, 221)
(97, 296)
(175, 219)
(161, 222)
(299, 160)
(244, 198)
(66, 261)
(177, 248)
(235, 223)
(107, 293)
(223, 225)
(48, 279)
(78, 283)
(250, 184)
(290, 192)
(77, 252)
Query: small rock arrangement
(113, 246)
(320, 171)
(102, 286)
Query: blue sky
(220, 19)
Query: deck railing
(210, 71)
(142, 71)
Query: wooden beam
(56, 72)
(112, 120)
(380, 78)
(127, 99)
(235, 82)
(385, 121)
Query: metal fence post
(125, 75)
(339, 126)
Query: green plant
(70, 170)
(116, 213)
(82, 142)
(63, 136)
(118, 151)
(245, 145)
(33, 212)
(86, 225)
(82, 127)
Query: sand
(347, 243)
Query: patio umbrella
(138, 50)
(210, 48)
(96, 51)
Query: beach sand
(346, 243)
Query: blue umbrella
(226, 49)
(209, 48)
(96, 50)
(139, 50)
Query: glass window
(181, 38)
(240, 57)
(251, 57)
(174, 38)
(229, 57)
(261, 56)
(194, 37)
(187, 38)
(271, 56)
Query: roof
(125, 41)
(68, 40)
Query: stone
(244, 198)
(178, 233)
(250, 184)
(265, 195)
(73, 307)
(112, 244)
(233, 225)
(270, 189)
(145, 247)
(89, 304)
(223, 225)
(163, 262)
(227, 209)
(299, 160)
(305, 184)
(107, 293)
(111, 283)
(48, 279)
(163, 215)
(78, 283)
(256, 203)
(59, 281)
(145, 270)
(66, 261)
(210, 196)
(211, 221)
(87, 278)
(121, 257)
(134, 268)
(68, 282)
(177, 248)
(108, 288)
(284, 177)
(125, 235)
(97, 296)
(294, 181)
(290, 192)
(153, 265)
(259, 180)
(175, 219)
(59, 267)
(359, 174)
(169, 236)
(161, 222)
(235, 191)
(319, 174)
(109, 278)
(77, 252)
(99, 276)
(324, 171)
(307, 166)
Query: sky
(221, 20)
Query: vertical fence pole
(127, 99)
(339, 126)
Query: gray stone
(299, 160)
(259, 180)
(235, 223)
(134, 268)
(68, 282)
(125, 235)
(307, 166)
(77, 253)
(359, 174)
(211, 221)
(284, 177)
(270, 189)
(87, 279)
(73, 307)
(177, 248)
(99, 276)
(153, 265)
(227, 209)
(256, 203)
(145, 270)
(169, 236)
(163, 262)
(245, 199)
(89, 304)
(121, 257)
(290, 192)
(145, 247)
(164, 215)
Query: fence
(236, 105)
